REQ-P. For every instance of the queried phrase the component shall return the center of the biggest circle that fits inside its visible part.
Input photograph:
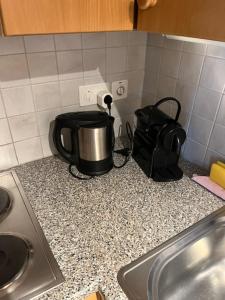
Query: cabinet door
(57, 16)
(193, 18)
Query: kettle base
(95, 168)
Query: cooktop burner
(5, 202)
(14, 254)
(27, 265)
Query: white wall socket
(120, 89)
(88, 93)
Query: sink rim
(210, 221)
(168, 254)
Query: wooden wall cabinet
(20, 17)
(193, 18)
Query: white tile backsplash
(221, 114)
(199, 87)
(156, 67)
(186, 95)
(46, 96)
(94, 61)
(2, 109)
(194, 152)
(135, 82)
(70, 41)
(216, 51)
(194, 48)
(190, 68)
(70, 91)
(155, 39)
(136, 58)
(39, 43)
(8, 157)
(166, 87)
(5, 136)
(199, 129)
(206, 103)
(116, 39)
(42, 67)
(173, 44)
(93, 40)
(47, 146)
(136, 38)
(70, 64)
(45, 118)
(18, 100)
(153, 59)
(40, 78)
(23, 126)
(217, 139)
(11, 45)
(13, 70)
(170, 63)
(116, 60)
(213, 74)
(29, 150)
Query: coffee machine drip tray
(27, 265)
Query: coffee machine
(157, 142)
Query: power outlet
(88, 93)
(120, 89)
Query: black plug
(108, 101)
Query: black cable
(125, 151)
(77, 176)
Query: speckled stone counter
(97, 226)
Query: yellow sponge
(220, 164)
(95, 296)
(217, 174)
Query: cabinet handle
(145, 4)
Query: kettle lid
(85, 118)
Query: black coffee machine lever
(170, 99)
(157, 142)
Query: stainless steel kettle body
(93, 144)
(91, 139)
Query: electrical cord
(127, 152)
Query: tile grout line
(35, 108)
(57, 68)
(158, 72)
(214, 122)
(10, 131)
(193, 104)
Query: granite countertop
(95, 227)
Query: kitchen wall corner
(194, 74)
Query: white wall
(40, 76)
(195, 75)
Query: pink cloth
(211, 186)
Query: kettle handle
(170, 99)
(69, 156)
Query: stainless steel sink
(190, 266)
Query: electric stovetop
(27, 265)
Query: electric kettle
(91, 138)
